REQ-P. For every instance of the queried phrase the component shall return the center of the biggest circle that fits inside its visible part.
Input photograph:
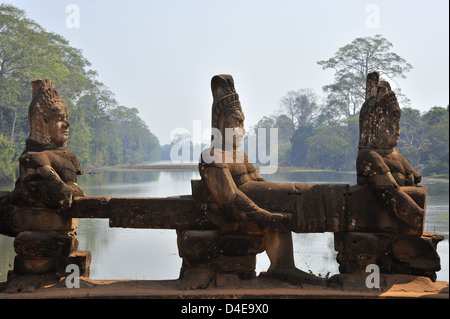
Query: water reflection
(152, 253)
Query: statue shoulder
(53, 158)
(369, 163)
(34, 159)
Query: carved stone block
(44, 244)
(27, 218)
(393, 253)
(197, 246)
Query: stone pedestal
(208, 253)
(393, 253)
(45, 244)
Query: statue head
(379, 118)
(226, 109)
(48, 118)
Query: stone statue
(378, 164)
(227, 174)
(48, 170)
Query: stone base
(18, 283)
(42, 265)
(229, 286)
(392, 253)
(392, 283)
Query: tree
(413, 137)
(352, 63)
(7, 165)
(300, 106)
(330, 148)
(28, 52)
(435, 155)
(138, 143)
(299, 145)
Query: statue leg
(280, 251)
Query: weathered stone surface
(26, 283)
(34, 265)
(236, 264)
(168, 213)
(393, 253)
(198, 246)
(29, 218)
(46, 187)
(378, 164)
(48, 171)
(365, 213)
(44, 244)
(238, 244)
(89, 207)
(316, 208)
(417, 253)
(5, 224)
(236, 197)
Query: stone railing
(365, 233)
(223, 225)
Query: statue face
(392, 134)
(59, 127)
(388, 132)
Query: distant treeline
(424, 141)
(323, 132)
(102, 131)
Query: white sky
(159, 56)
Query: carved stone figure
(378, 164)
(48, 170)
(396, 242)
(45, 240)
(227, 175)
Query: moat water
(152, 254)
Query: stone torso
(237, 163)
(380, 161)
(64, 162)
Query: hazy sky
(159, 56)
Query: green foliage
(325, 136)
(101, 132)
(7, 165)
(352, 63)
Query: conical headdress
(378, 111)
(45, 101)
(225, 98)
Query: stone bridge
(232, 214)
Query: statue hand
(269, 221)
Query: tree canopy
(102, 132)
(352, 63)
(325, 135)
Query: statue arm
(413, 175)
(220, 183)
